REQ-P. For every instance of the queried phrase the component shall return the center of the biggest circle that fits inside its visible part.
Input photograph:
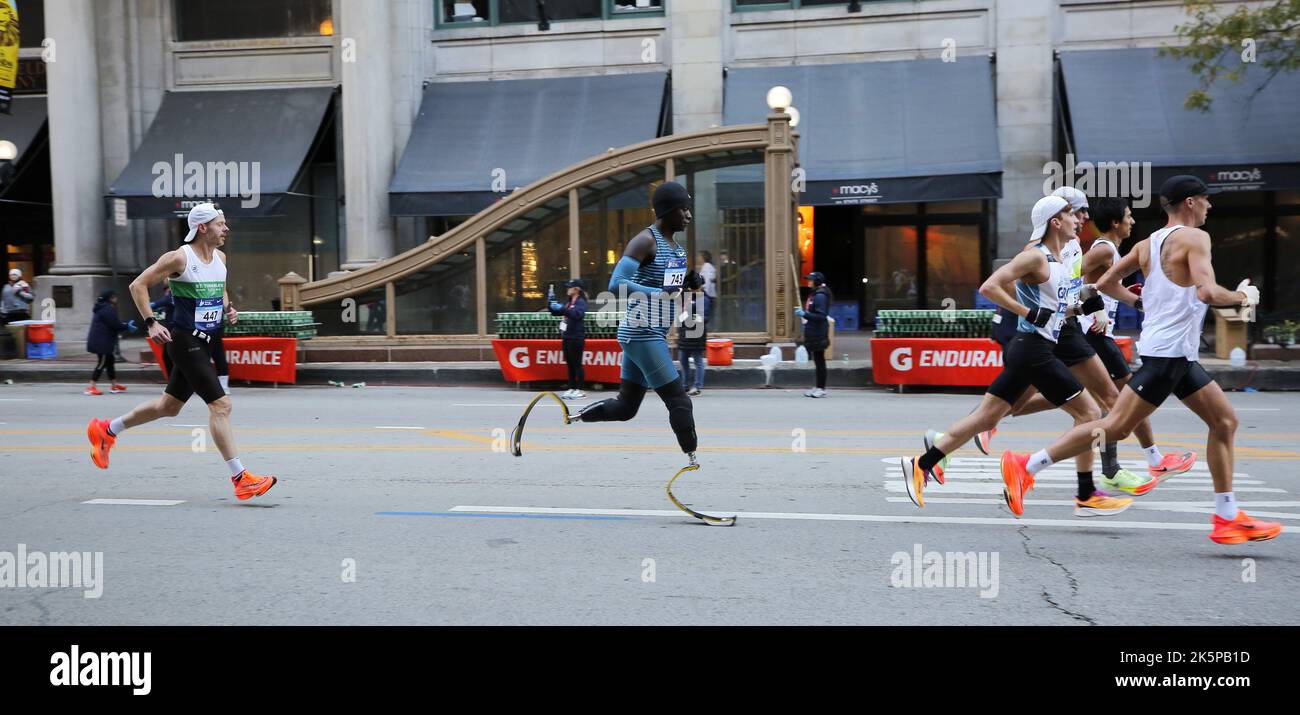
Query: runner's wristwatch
(148, 322)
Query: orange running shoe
(249, 485)
(92, 390)
(984, 439)
(1173, 464)
(914, 479)
(1018, 480)
(118, 388)
(101, 442)
(1243, 529)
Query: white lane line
(16, 399)
(519, 406)
(187, 425)
(137, 502)
(1185, 507)
(988, 521)
(398, 427)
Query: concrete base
(71, 322)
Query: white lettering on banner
(901, 359)
(253, 357)
(519, 357)
(602, 358)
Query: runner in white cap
(197, 276)
(1180, 284)
(1034, 286)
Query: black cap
(575, 283)
(107, 295)
(670, 196)
(816, 277)
(1183, 186)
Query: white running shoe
(811, 393)
(819, 393)
(577, 395)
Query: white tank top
(1171, 326)
(1112, 305)
(1049, 294)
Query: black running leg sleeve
(819, 357)
(680, 414)
(620, 408)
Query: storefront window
(729, 232)
(1237, 247)
(363, 314)
(526, 10)
(525, 258)
(259, 251)
(441, 299)
(892, 282)
(31, 22)
(1287, 292)
(622, 6)
(952, 265)
(200, 20)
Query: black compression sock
(1086, 487)
(931, 457)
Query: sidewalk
(856, 372)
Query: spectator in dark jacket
(573, 334)
(816, 329)
(15, 299)
(692, 332)
(102, 340)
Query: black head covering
(669, 196)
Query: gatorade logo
(519, 357)
(901, 359)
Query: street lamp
(794, 116)
(778, 98)
(8, 150)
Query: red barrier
(529, 360)
(944, 361)
(255, 359)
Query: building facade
(357, 130)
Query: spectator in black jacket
(573, 335)
(102, 340)
(816, 329)
(692, 332)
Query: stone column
(1025, 72)
(367, 131)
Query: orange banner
(254, 359)
(529, 360)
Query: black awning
(24, 123)
(242, 149)
(882, 132)
(1126, 106)
(473, 137)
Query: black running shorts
(1071, 347)
(1029, 360)
(1111, 356)
(189, 367)
(1160, 376)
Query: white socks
(1154, 457)
(236, 467)
(225, 382)
(117, 426)
(1225, 505)
(1039, 461)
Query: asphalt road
(402, 506)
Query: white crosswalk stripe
(977, 482)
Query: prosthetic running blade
(706, 518)
(517, 436)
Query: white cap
(200, 215)
(1044, 210)
(15, 273)
(1078, 199)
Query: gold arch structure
(669, 156)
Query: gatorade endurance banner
(9, 40)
